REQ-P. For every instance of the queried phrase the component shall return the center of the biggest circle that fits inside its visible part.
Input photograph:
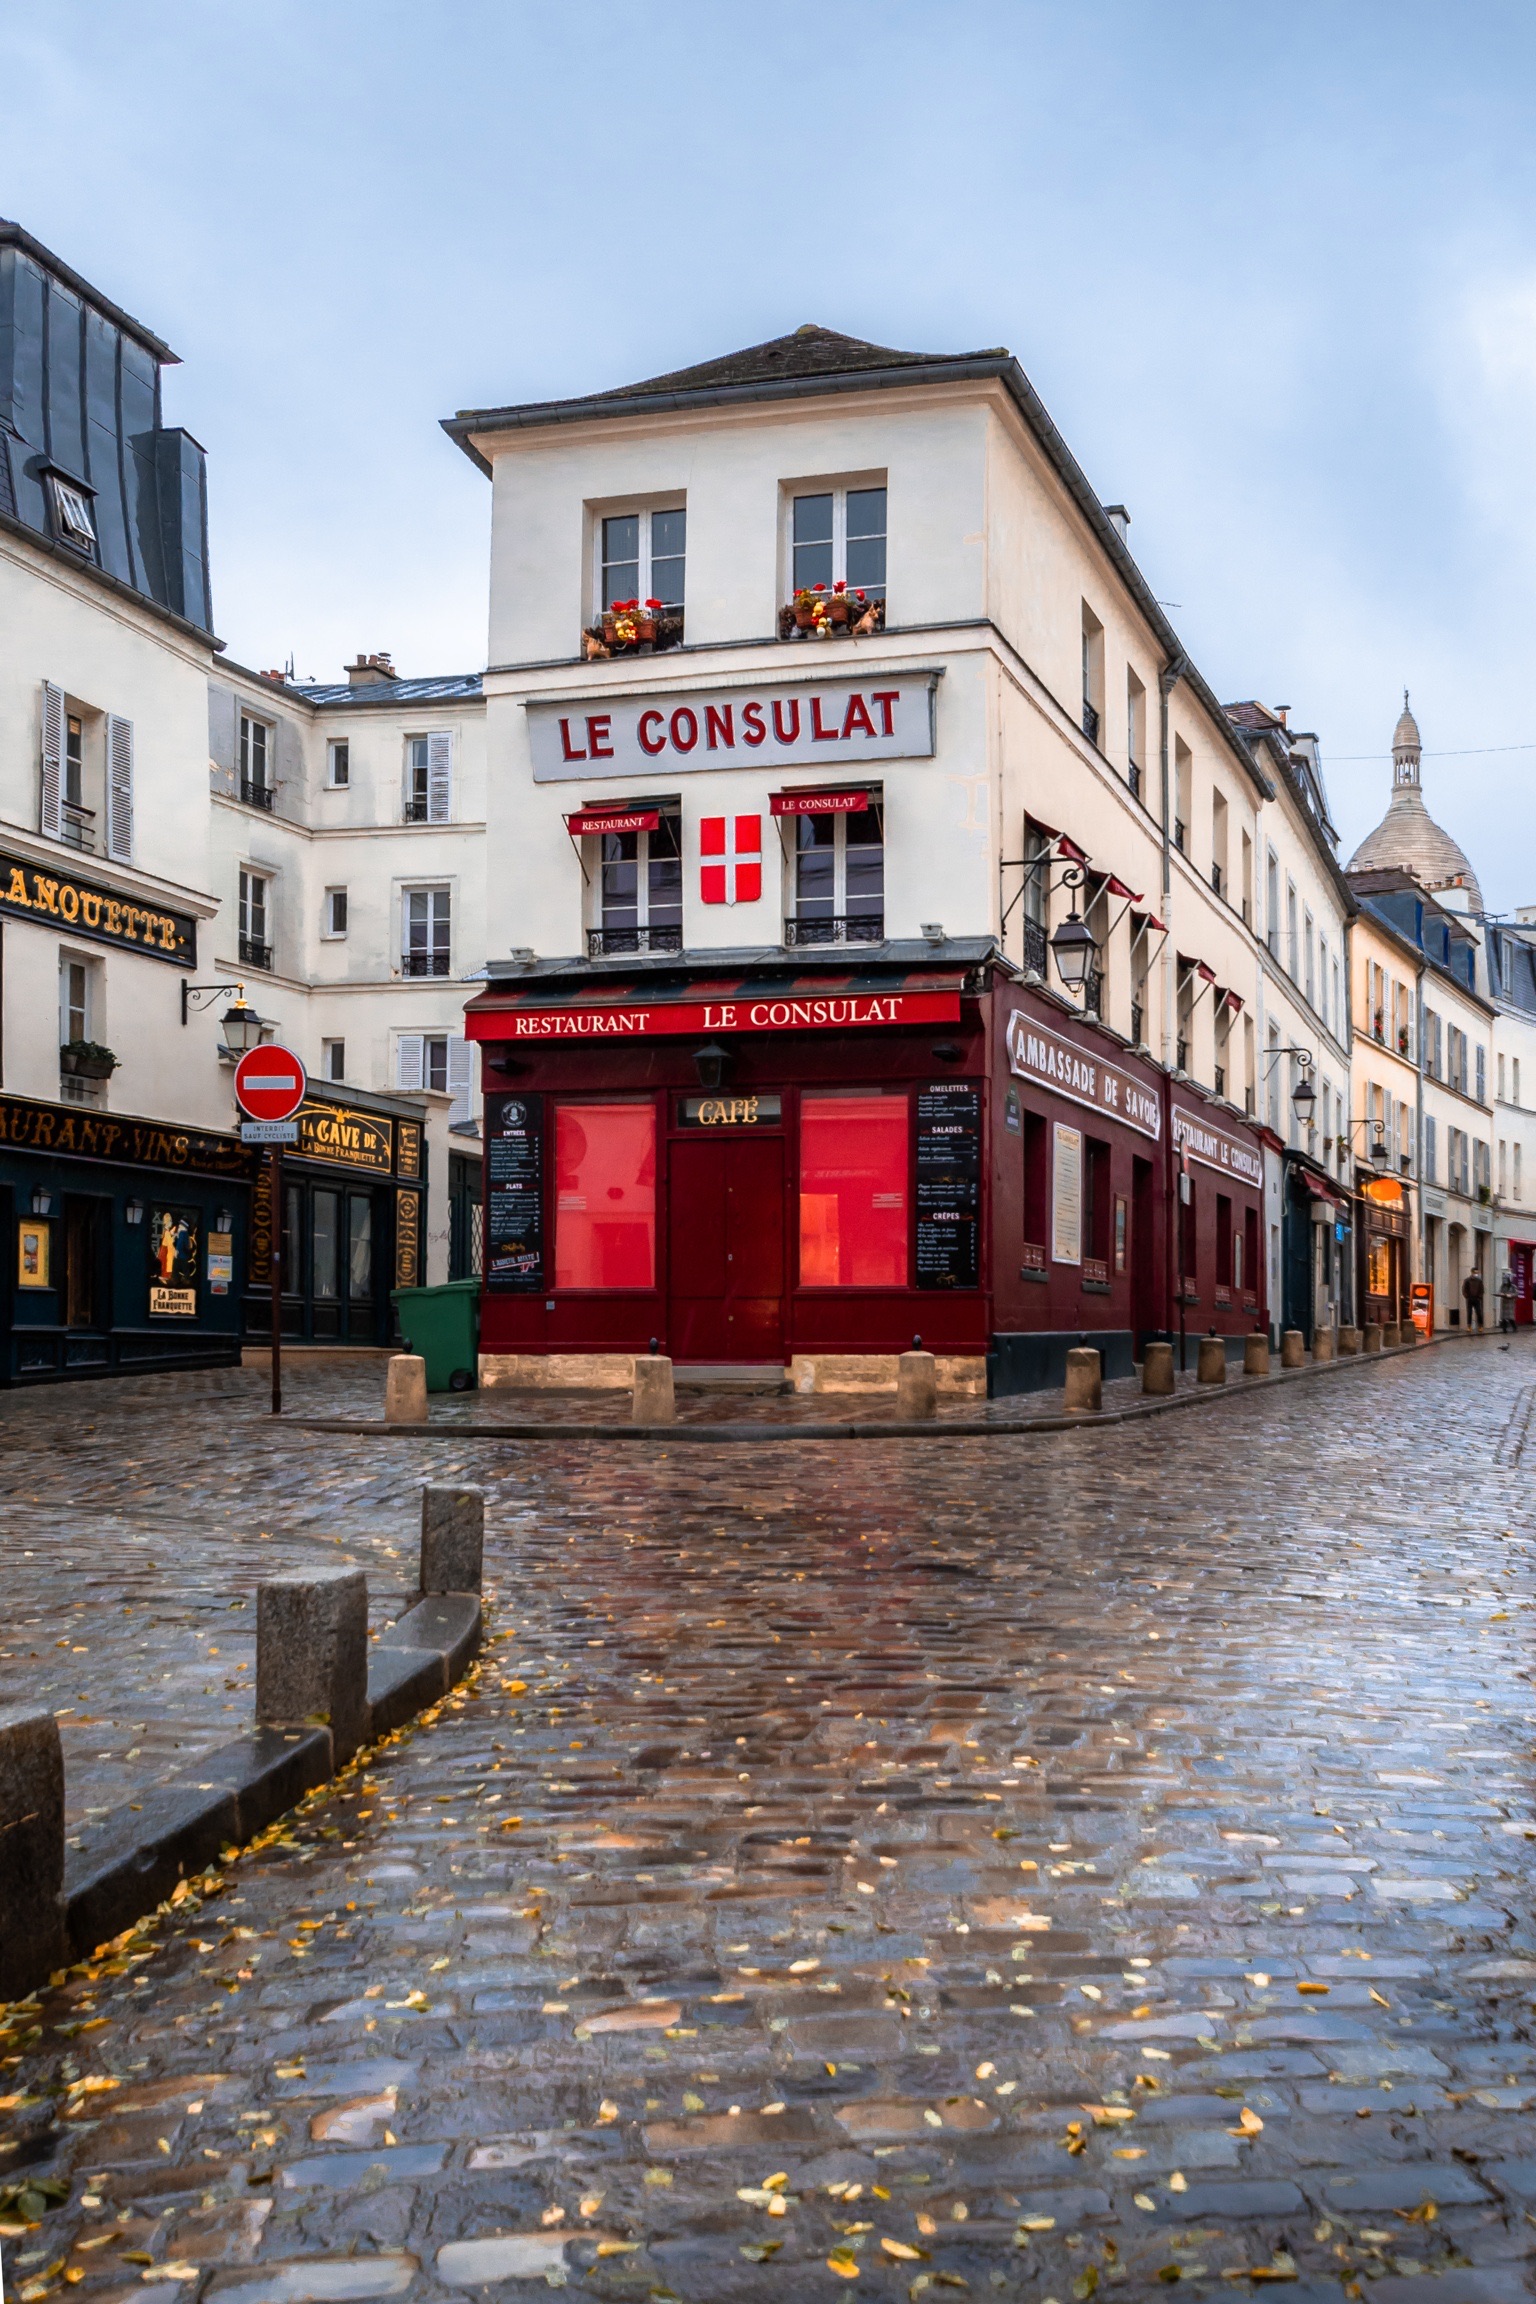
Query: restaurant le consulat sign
(831, 724)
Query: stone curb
(131, 1862)
(955, 1428)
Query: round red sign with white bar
(269, 1083)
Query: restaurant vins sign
(831, 724)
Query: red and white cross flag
(731, 859)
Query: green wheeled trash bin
(443, 1325)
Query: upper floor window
(1482, 1075)
(335, 913)
(338, 763)
(429, 778)
(1219, 865)
(1272, 904)
(836, 554)
(255, 946)
(427, 924)
(1183, 792)
(1135, 733)
(1093, 675)
(72, 520)
(641, 565)
(256, 787)
(640, 889)
(79, 820)
(839, 879)
(333, 1059)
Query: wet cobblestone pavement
(1034, 1867)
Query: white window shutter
(440, 777)
(119, 789)
(410, 1057)
(461, 1080)
(52, 811)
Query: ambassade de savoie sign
(827, 724)
(1034, 1053)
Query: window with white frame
(255, 927)
(334, 916)
(256, 788)
(1516, 1180)
(338, 763)
(1135, 733)
(78, 1005)
(1272, 904)
(639, 887)
(1430, 1153)
(333, 1059)
(1292, 934)
(838, 884)
(837, 536)
(442, 1062)
(642, 557)
(429, 777)
(426, 919)
(73, 522)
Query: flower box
(823, 611)
(631, 628)
(86, 1060)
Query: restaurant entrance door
(725, 1236)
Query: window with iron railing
(1137, 1020)
(255, 947)
(640, 890)
(1093, 992)
(256, 788)
(1036, 949)
(1178, 834)
(839, 879)
(427, 921)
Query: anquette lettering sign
(31, 892)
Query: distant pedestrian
(1507, 1301)
(1472, 1292)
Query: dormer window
(72, 521)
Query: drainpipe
(1167, 680)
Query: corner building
(877, 882)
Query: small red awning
(1119, 888)
(615, 819)
(850, 800)
(1232, 999)
(1070, 848)
(1206, 975)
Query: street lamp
(241, 1026)
(1304, 1099)
(1380, 1156)
(1075, 950)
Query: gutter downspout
(1167, 680)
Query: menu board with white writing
(514, 1210)
(948, 1184)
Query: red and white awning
(846, 800)
(615, 819)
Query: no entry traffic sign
(269, 1083)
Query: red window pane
(605, 1196)
(853, 1192)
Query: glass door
(362, 1314)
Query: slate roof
(444, 688)
(809, 351)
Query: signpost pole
(276, 1157)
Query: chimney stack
(368, 671)
(1120, 520)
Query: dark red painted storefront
(685, 1157)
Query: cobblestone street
(1022, 1866)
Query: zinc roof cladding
(812, 360)
(1512, 968)
(13, 235)
(447, 687)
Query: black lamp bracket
(199, 995)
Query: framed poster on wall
(32, 1256)
(174, 1240)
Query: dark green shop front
(125, 1239)
(354, 1189)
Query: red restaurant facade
(765, 1161)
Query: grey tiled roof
(447, 687)
(809, 351)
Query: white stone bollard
(405, 1390)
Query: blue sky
(1273, 271)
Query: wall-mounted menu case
(514, 1209)
(948, 1135)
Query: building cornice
(128, 594)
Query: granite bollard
(1370, 1336)
(1349, 1343)
(1293, 1349)
(1157, 1368)
(312, 1655)
(452, 1539)
(917, 1384)
(1211, 1368)
(1323, 1343)
(655, 1400)
(1256, 1354)
(31, 1850)
(405, 1389)
(1085, 1379)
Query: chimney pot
(1120, 520)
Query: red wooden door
(725, 1233)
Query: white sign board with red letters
(829, 725)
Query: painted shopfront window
(854, 1169)
(605, 1200)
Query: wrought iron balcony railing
(602, 943)
(836, 928)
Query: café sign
(58, 899)
(830, 724)
(1200, 1139)
(1035, 1053)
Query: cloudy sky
(1273, 271)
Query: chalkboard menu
(514, 1214)
(948, 1184)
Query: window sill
(1096, 1288)
(1032, 1272)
